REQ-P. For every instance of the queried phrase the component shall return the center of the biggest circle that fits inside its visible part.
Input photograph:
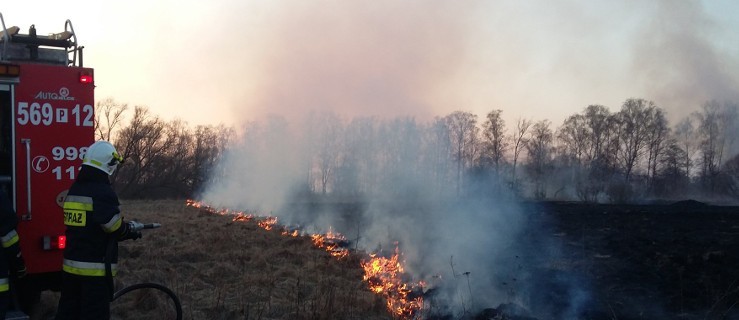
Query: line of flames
(382, 274)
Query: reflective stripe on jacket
(90, 269)
(9, 239)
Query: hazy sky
(233, 60)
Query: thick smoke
(372, 58)
(417, 58)
(681, 60)
(260, 170)
(375, 62)
(532, 59)
(386, 187)
(233, 60)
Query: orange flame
(293, 234)
(193, 203)
(237, 215)
(267, 223)
(243, 217)
(383, 275)
(331, 242)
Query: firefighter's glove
(135, 226)
(134, 230)
(132, 235)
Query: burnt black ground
(603, 261)
(670, 261)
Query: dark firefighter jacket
(9, 240)
(94, 225)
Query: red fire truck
(46, 124)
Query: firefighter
(13, 264)
(94, 227)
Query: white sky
(225, 61)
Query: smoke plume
(343, 81)
(381, 184)
(680, 60)
(375, 58)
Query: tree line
(596, 155)
(162, 159)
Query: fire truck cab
(46, 125)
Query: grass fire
(224, 265)
(405, 160)
(382, 275)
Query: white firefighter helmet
(102, 155)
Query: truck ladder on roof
(54, 48)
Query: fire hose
(137, 227)
(149, 285)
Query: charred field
(658, 261)
(573, 260)
(570, 261)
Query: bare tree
(632, 132)
(208, 147)
(686, 136)
(440, 150)
(597, 122)
(539, 147)
(574, 137)
(587, 139)
(494, 140)
(462, 131)
(716, 122)
(672, 179)
(518, 139)
(326, 141)
(139, 143)
(573, 142)
(657, 134)
(108, 116)
(710, 132)
(172, 166)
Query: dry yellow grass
(221, 269)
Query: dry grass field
(632, 261)
(225, 269)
